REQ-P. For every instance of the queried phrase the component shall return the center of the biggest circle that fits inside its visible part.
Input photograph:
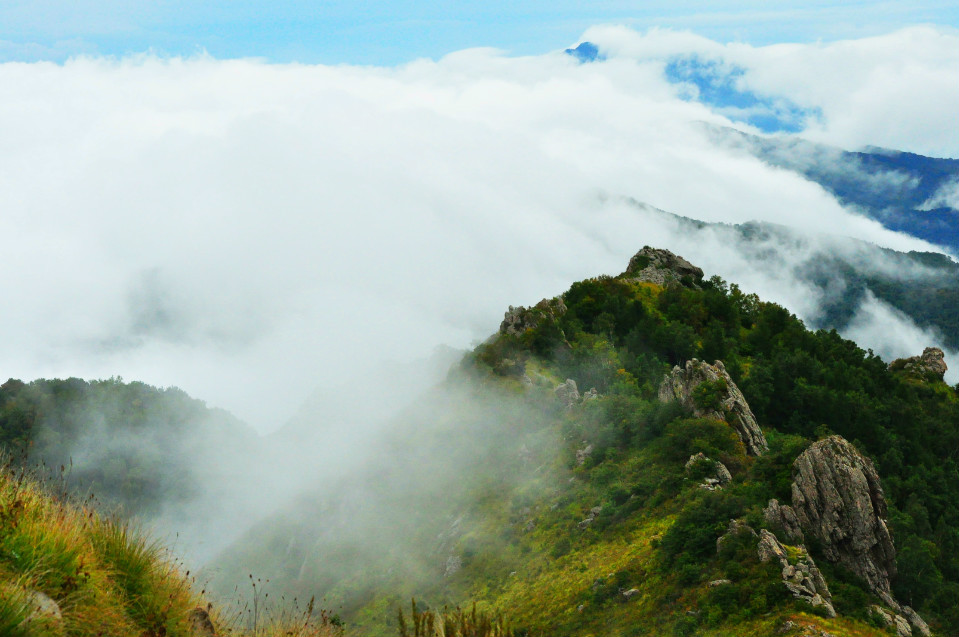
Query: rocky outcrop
(799, 574)
(916, 621)
(892, 620)
(838, 499)
(783, 517)
(662, 267)
(567, 393)
(583, 454)
(931, 365)
(519, 319)
(589, 518)
(715, 475)
(709, 392)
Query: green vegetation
(567, 520)
(67, 570)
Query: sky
(390, 33)
(252, 228)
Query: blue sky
(389, 33)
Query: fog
(250, 231)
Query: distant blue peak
(717, 87)
(586, 52)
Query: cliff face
(709, 392)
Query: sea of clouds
(249, 231)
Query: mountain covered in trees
(652, 453)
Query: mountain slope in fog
(576, 511)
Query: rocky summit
(662, 267)
(709, 392)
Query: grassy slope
(561, 580)
(105, 577)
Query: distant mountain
(905, 192)
(585, 52)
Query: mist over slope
(506, 485)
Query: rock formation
(567, 393)
(838, 499)
(931, 364)
(800, 574)
(662, 267)
(782, 516)
(729, 404)
(714, 473)
(519, 319)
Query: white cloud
(946, 197)
(897, 90)
(247, 231)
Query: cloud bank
(249, 231)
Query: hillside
(66, 569)
(578, 512)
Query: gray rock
(519, 319)
(583, 454)
(567, 393)
(719, 582)
(453, 565)
(717, 476)
(838, 499)
(631, 593)
(591, 394)
(44, 610)
(916, 621)
(732, 407)
(932, 363)
(800, 576)
(662, 267)
(201, 625)
(782, 516)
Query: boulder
(838, 499)
(931, 364)
(799, 574)
(783, 517)
(201, 625)
(662, 267)
(724, 400)
(567, 393)
(44, 612)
